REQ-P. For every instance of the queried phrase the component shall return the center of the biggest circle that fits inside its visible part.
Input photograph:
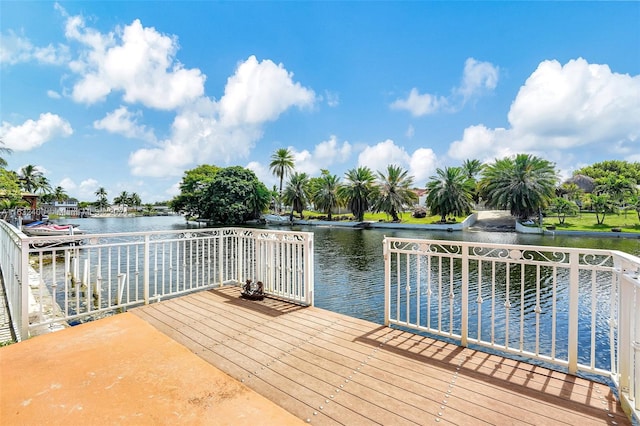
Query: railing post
(309, 274)
(464, 326)
(145, 272)
(574, 289)
(24, 290)
(387, 280)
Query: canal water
(349, 267)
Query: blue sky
(129, 95)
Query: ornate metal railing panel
(574, 308)
(76, 278)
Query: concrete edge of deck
(121, 370)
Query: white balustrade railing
(75, 278)
(574, 308)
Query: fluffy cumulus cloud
(33, 133)
(562, 107)
(259, 92)
(379, 156)
(324, 155)
(135, 60)
(478, 78)
(124, 122)
(15, 49)
(220, 132)
(422, 165)
(420, 104)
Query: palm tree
(281, 165)
(4, 150)
(326, 196)
(102, 203)
(394, 192)
(472, 168)
(59, 194)
(123, 200)
(524, 184)
(30, 178)
(357, 191)
(296, 194)
(450, 192)
(134, 199)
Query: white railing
(578, 309)
(79, 277)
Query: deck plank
(330, 369)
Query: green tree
(524, 185)
(472, 168)
(134, 200)
(281, 165)
(450, 192)
(358, 190)
(602, 205)
(618, 168)
(101, 203)
(617, 187)
(192, 190)
(59, 194)
(30, 178)
(563, 207)
(326, 196)
(230, 198)
(296, 193)
(4, 150)
(572, 191)
(122, 200)
(394, 192)
(10, 193)
(634, 204)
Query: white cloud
(259, 92)
(332, 98)
(53, 94)
(422, 165)
(138, 61)
(477, 79)
(324, 155)
(219, 133)
(419, 105)
(124, 122)
(263, 173)
(411, 131)
(15, 49)
(379, 156)
(32, 134)
(560, 108)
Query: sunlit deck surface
(326, 368)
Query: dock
(212, 357)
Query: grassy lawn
(377, 217)
(588, 222)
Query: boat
(274, 219)
(42, 229)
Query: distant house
(422, 195)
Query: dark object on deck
(253, 291)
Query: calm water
(349, 269)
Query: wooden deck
(327, 368)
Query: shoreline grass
(588, 222)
